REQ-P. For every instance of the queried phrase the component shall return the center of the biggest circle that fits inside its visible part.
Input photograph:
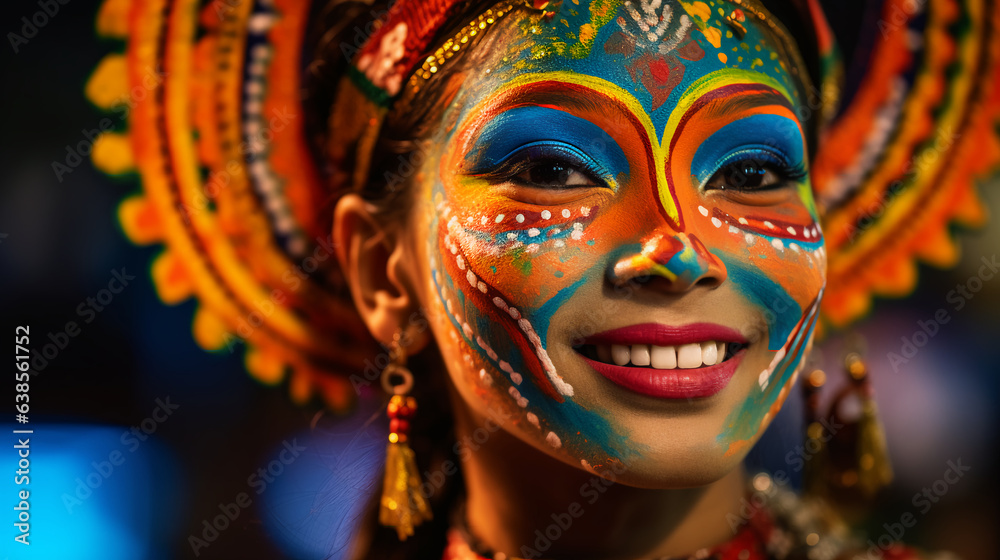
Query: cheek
(783, 276)
(776, 259)
(771, 243)
(500, 270)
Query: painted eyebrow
(568, 96)
(721, 107)
(720, 102)
(580, 103)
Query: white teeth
(709, 353)
(640, 355)
(664, 357)
(689, 356)
(620, 354)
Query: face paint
(583, 155)
(539, 133)
(772, 246)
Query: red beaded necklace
(749, 543)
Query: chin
(678, 467)
(667, 464)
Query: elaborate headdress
(230, 188)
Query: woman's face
(623, 257)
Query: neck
(524, 503)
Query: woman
(590, 229)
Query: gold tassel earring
(817, 468)
(403, 506)
(849, 459)
(873, 466)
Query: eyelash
(778, 164)
(532, 155)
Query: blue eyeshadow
(759, 136)
(537, 127)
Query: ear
(374, 262)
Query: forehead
(652, 51)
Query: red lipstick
(669, 383)
(666, 335)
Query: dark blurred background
(135, 361)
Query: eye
(553, 173)
(547, 165)
(745, 175)
(754, 173)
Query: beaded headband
(399, 44)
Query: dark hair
(794, 16)
(339, 29)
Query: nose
(679, 258)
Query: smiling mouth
(665, 361)
(686, 356)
